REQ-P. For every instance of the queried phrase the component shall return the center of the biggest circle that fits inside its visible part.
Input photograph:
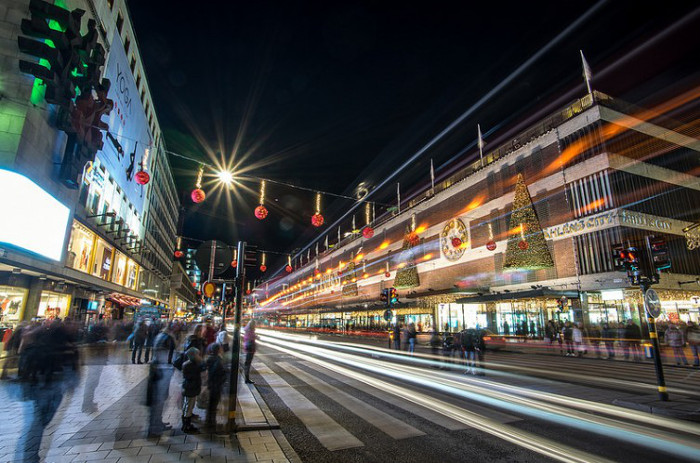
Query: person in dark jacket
(568, 335)
(397, 336)
(160, 374)
(249, 339)
(139, 339)
(196, 339)
(216, 376)
(609, 335)
(151, 333)
(191, 387)
(633, 337)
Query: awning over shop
(515, 295)
(123, 300)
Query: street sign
(652, 303)
(221, 260)
(208, 289)
(388, 315)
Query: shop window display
(53, 305)
(131, 272)
(80, 248)
(119, 271)
(12, 301)
(103, 260)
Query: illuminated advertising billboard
(128, 126)
(32, 219)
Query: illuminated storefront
(12, 302)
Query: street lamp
(225, 177)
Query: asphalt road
(347, 402)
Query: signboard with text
(128, 125)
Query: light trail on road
(580, 414)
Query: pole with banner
(236, 348)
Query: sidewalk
(69, 421)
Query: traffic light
(393, 297)
(632, 260)
(619, 254)
(660, 259)
(57, 30)
(384, 297)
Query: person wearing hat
(191, 387)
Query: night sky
(326, 95)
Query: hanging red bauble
(288, 269)
(263, 268)
(456, 242)
(178, 254)
(199, 293)
(368, 232)
(491, 245)
(261, 212)
(413, 238)
(247, 291)
(317, 220)
(523, 245)
(198, 195)
(142, 177)
(387, 274)
(317, 272)
(234, 263)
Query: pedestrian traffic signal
(619, 254)
(393, 297)
(658, 249)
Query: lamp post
(236, 348)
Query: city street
(337, 403)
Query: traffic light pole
(656, 349)
(236, 349)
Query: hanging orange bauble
(142, 177)
(413, 238)
(368, 232)
(263, 268)
(317, 272)
(260, 212)
(178, 254)
(523, 245)
(198, 195)
(288, 269)
(317, 220)
(234, 263)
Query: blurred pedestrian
(151, 333)
(249, 338)
(633, 337)
(159, 377)
(693, 338)
(216, 376)
(469, 345)
(397, 336)
(195, 339)
(191, 387)
(138, 339)
(577, 338)
(609, 334)
(676, 341)
(435, 343)
(411, 335)
(567, 334)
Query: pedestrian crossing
(333, 435)
(330, 434)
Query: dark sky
(329, 94)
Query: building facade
(520, 238)
(116, 235)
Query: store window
(53, 305)
(82, 242)
(119, 273)
(132, 270)
(12, 301)
(103, 260)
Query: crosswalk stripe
(385, 422)
(425, 413)
(329, 433)
(252, 414)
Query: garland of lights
(198, 195)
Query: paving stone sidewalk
(100, 415)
